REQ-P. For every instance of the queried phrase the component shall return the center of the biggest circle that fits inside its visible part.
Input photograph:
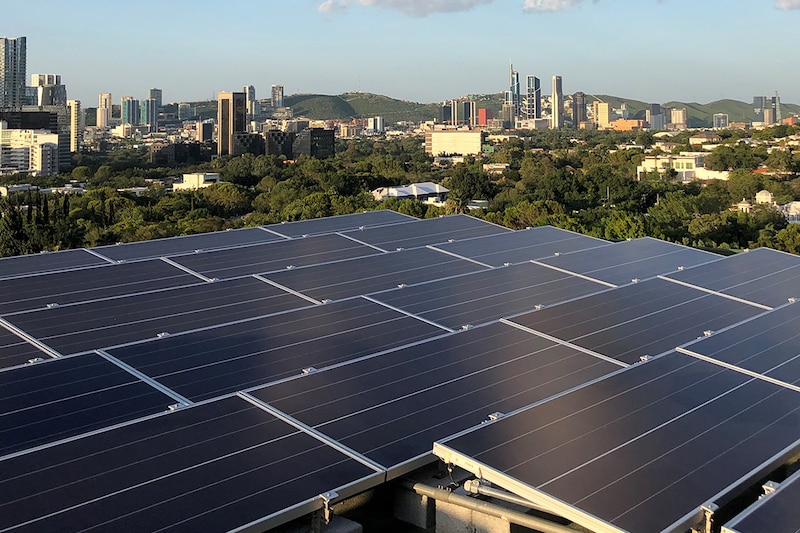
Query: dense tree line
(574, 180)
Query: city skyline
(427, 51)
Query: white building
(458, 142)
(376, 125)
(76, 125)
(430, 193)
(32, 151)
(193, 182)
(104, 110)
(765, 197)
(687, 165)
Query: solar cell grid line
(172, 246)
(364, 275)
(522, 245)
(425, 232)
(775, 512)
(221, 360)
(25, 265)
(765, 276)
(14, 350)
(481, 297)
(89, 326)
(60, 398)
(639, 259)
(643, 319)
(392, 407)
(268, 257)
(641, 450)
(219, 466)
(717, 293)
(334, 224)
(96, 283)
(767, 345)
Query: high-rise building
(231, 119)
(48, 90)
(251, 102)
(104, 110)
(314, 142)
(376, 125)
(601, 112)
(557, 103)
(678, 118)
(720, 121)
(75, 126)
(12, 72)
(532, 105)
(277, 96)
(186, 111)
(157, 95)
(148, 114)
(578, 109)
(29, 150)
(513, 96)
(130, 110)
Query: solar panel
(764, 276)
(637, 259)
(250, 260)
(767, 345)
(16, 351)
(37, 292)
(217, 361)
(88, 326)
(425, 232)
(641, 450)
(185, 244)
(47, 262)
(371, 274)
(318, 226)
(647, 318)
(775, 512)
(519, 246)
(392, 407)
(478, 298)
(61, 398)
(214, 467)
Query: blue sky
(420, 50)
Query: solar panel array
(240, 379)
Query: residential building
(467, 142)
(186, 111)
(231, 119)
(12, 72)
(28, 150)
(104, 110)
(157, 95)
(277, 96)
(706, 137)
(688, 166)
(532, 104)
(557, 104)
(720, 121)
(193, 182)
(601, 111)
(148, 110)
(130, 110)
(48, 90)
(376, 125)
(765, 197)
(679, 117)
(427, 192)
(76, 126)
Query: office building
(157, 95)
(204, 131)
(148, 110)
(532, 105)
(186, 111)
(48, 90)
(446, 113)
(513, 97)
(279, 143)
(104, 110)
(578, 109)
(28, 150)
(557, 103)
(231, 119)
(76, 126)
(12, 72)
(376, 125)
(130, 110)
(253, 107)
(277, 96)
(601, 113)
(720, 121)
(314, 142)
(484, 116)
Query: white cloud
(532, 6)
(332, 6)
(787, 4)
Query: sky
(418, 50)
